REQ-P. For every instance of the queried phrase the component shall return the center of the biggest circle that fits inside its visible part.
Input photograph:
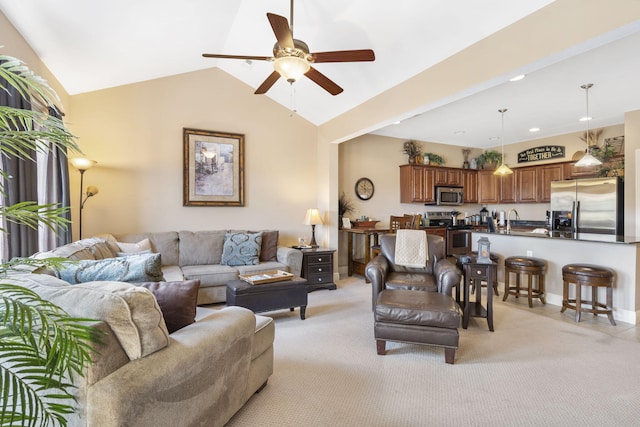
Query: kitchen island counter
(621, 253)
(561, 235)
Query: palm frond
(31, 214)
(24, 130)
(26, 82)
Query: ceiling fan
(292, 59)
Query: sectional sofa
(141, 375)
(187, 255)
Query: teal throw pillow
(241, 249)
(133, 268)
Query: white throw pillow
(141, 246)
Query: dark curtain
(57, 188)
(21, 187)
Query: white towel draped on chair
(411, 248)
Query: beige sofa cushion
(131, 312)
(201, 247)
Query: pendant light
(588, 159)
(503, 169)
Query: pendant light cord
(502, 111)
(586, 87)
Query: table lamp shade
(312, 217)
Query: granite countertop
(562, 235)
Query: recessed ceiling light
(517, 78)
(459, 132)
(534, 130)
(584, 119)
(494, 138)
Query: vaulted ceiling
(91, 46)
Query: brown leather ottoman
(417, 317)
(269, 296)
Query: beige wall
(134, 132)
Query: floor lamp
(82, 164)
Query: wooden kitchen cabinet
(470, 184)
(527, 184)
(508, 188)
(546, 174)
(416, 184)
(573, 172)
(488, 187)
(438, 231)
(448, 176)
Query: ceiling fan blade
(344, 56)
(252, 58)
(323, 81)
(282, 30)
(266, 85)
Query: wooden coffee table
(269, 296)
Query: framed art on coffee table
(213, 172)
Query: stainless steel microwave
(449, 196)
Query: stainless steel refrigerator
(594, 205)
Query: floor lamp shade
(313, 218)
(82, 164)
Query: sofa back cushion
(201, 247)
(165, 243)
(131, 312)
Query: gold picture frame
(213, 172)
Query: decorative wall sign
(213, 168)
(544, 152)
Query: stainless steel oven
(458, 239)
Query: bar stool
(588, 275)
(530, 267)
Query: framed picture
(213, 168)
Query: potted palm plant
(41, 346)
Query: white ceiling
(95, 45)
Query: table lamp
(313, 218)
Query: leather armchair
(439, 275)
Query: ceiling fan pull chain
(292, 100)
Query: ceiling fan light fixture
(291, 68)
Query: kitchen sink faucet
(509, 219)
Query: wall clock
(364, 188)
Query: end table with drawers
(317, 268)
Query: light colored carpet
(534, 370)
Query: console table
(317, 268)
